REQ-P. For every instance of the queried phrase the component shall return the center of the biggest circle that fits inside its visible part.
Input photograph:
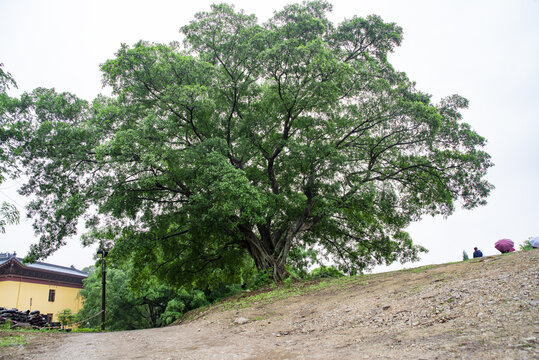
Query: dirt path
(480, 309)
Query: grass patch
(289, 289)
(85, 330)
(265, 297)
(12, 340)
(275, 292)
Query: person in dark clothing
(477, 253)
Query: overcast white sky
(486, 51)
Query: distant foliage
(465, 255)
(325, 272)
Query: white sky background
(486, 51)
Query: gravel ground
(480, 309)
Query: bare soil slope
(479, 309)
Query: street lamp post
(102, 254)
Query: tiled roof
(44, 266)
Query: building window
(51, 295)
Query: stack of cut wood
(33, 318)
(36, 319)
(14, 315)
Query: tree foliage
(8, 212)
(126, 309)
(152, 305)
(249, 141)
(8, 215)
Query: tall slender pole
(103, 289)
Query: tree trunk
(265, 254)
(275, 267)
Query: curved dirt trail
(480, 309)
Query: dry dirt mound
(479, 309)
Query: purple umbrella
(504, 245)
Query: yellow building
(39, 286)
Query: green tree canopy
(246, 142)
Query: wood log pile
(34, 318)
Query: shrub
(65, 317)
(525, 246)
(325, 272)
(261, 279)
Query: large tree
(251, 140)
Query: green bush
(325, 272)
(221, 291)
(66, 317)
(198, 299)
(183, 302)
(174, 310)
(287, 282)
(261, 278)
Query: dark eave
(14, 270)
